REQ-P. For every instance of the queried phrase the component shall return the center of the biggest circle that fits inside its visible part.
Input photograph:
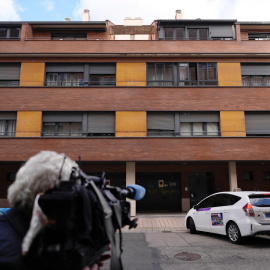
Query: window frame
(57, 128)
(60, 82)
(8, 28)
(253, 84)
(198, 81)
(176, 131)
(158, 82)
(7, 133)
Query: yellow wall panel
(131, 74)
(130, 124)
(29, 124)
(32, 74)
(229, 74)
(232, 123)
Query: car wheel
(233, 233)
(192, 227)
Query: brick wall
(136, 99)
(141, 149)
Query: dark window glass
(203, 34)
(207, 203)
(233, 199)
(11, 176)
(168, 33)
(266, 175)
(68, 36)
(3, 32)
(192, 34)
(14, 32)
(180, 33)
(221, 200)
(248, 176)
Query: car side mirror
(196, 207)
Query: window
(101, 124)
(255, 74)
(199, 124)
(174, 33)
(266, 175)
(181, 30)
(11, 176)
(80, 74)
(259, 36)
(256, 80)
(160, 74)
(62, 124)
(221, 200)
(185, 124)
(8, 124)
(10, 74)
(64, 79)
(199, 129)
(164, 74)
(102, 80)
(62, 129)
(160, 124)
(248, 176)
(69, 36)
(197, 34)
(78, 124)
(10, 32)
(197, 74)
(233, 199)
(208, 203)
(257, 123)
(260, 200)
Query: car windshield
(260, 200)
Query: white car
(235, 214)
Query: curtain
(185, 129)
(2, 127)
(197, 129)
(212, 129)
(257, 81)
(183, 74)
(11, 127)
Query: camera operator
(37, 175)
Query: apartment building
(180, 106)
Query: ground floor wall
(170, 186)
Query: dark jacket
(13, 228)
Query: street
(181, 250)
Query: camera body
(83, 217)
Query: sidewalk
(159, 223)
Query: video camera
(84, 217)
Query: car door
(220, 213)
(202, 216)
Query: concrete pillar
(232, 175)
(130, 180)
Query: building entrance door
(200, 186)
(163, 192)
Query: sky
(149, 10)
